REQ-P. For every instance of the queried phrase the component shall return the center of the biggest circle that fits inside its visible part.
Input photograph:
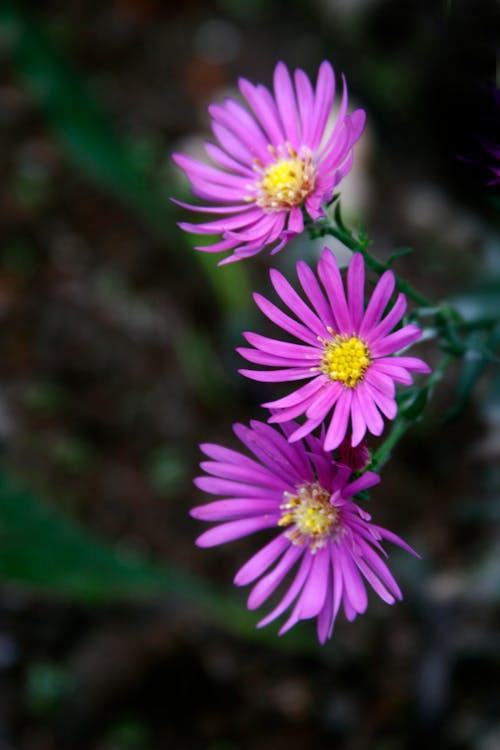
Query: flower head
(346, 352)
(325, 547)
(271, 161)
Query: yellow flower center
(345, 358)
(310, 515)
(287, 182)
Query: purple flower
(345, 352)
(325, 548)
(493, 147)
(271, 161)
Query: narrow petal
(269, 583)
(409, 363)
(313, 594)
(338, 425)
(308, 426)
(338, 581)
(386, 403)
(395, 539)
(374, 421)
(233, 508)
(217, 486)
(223, 159)
(374, 581)
(292, 592)
(357, 420)
(313, 291)
(397, 340)
(258, 357)
(391, 319)
(246, 473)
(380, 380)
(285, 100)
(285, 321)
(325, 617)
(232, 144)
(323, 100)
(353, 583)
(331, 142)
(196, 168)
(264, 108)
(213, 209)
(295, 303)
(227, 532)
(261, 561)
(305, 100)
(283, 416)
(292, 457)
(398, 374)
(298, 396)
(269, 446)
(325, 400)
(295, 221)
(356, 289)
(380, 569)
(329, 274)
(277, 376)
(378, 302)
(225, 224)
(364, 482)
(243, 129)
(282, 348)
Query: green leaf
(40, 548)
(474, 365)
(43, 550)
(414, 404)
(102, 153)
(398, 253)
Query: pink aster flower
(325, 548)
(346, 353)
(271, 159)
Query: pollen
(345, 359)
(310, 515)
(287, 181)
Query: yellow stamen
(346, 359)
(287, 181)
(310, 515)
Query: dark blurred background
(117, 358)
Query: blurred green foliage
(101, 152)
(167, 470)
(129, 734)
(38, 547)
(45, 685)
(42, 549)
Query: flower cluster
(276, 161)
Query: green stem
(402, 422)
(327, 227)
(383, 453)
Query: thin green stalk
(327, 227)
(383, 453)
(403, 421)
